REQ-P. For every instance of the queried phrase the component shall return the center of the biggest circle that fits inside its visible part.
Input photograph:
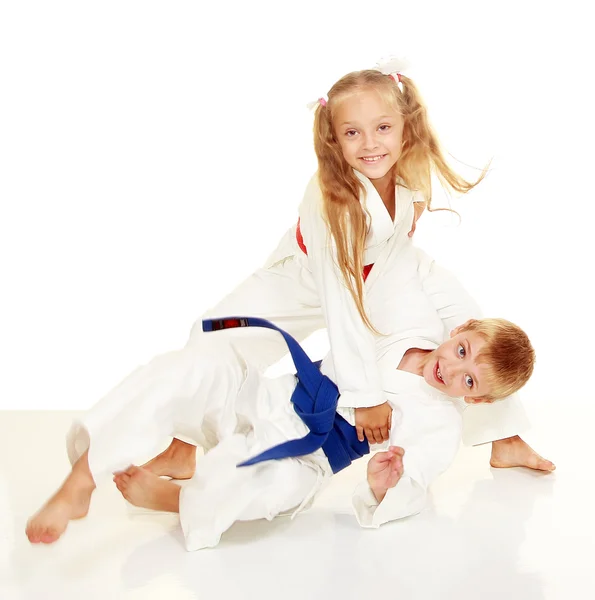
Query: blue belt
(314, 399)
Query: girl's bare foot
(147, 490)
(71, 501)
(177, 462)
(515, 452)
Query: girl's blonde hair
(341, 189)
(507, 352)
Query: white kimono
(236, 414)
(427, 424)
(302, 293)
(227, 406)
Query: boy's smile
(453, 368)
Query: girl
(376, 152)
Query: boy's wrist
(378, 491)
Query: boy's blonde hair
(341, 189)
(507, 352)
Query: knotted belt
(315, 401)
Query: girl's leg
(284, 294)
(515, 452)
(169, 395)
(178, 461)
(499, 422)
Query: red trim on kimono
(300, 241)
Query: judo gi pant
(173, 393)
(234, 412)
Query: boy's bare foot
(177, 462)
(515, 452)
(71, 501)
(147, 490)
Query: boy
(235, 413)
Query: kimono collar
(382, 225)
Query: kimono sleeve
(352, 344)
(431, 438)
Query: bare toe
(541, 464)
(515, 452)
(51, 521)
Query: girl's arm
(352, 344)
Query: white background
(152, 154)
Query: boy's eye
(469, 381)
(461, 351)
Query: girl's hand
(374, 422)
(384, 471)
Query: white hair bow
(393, 66)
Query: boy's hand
(374, 422)
(418, 209)
(384, 471)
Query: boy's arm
(430, 434)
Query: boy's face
(369, 132)
(452, 367)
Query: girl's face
(369, 132)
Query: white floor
(487, 533)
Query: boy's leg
(143, 488)
(220, 493)
(71, 501)
(174, 391)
